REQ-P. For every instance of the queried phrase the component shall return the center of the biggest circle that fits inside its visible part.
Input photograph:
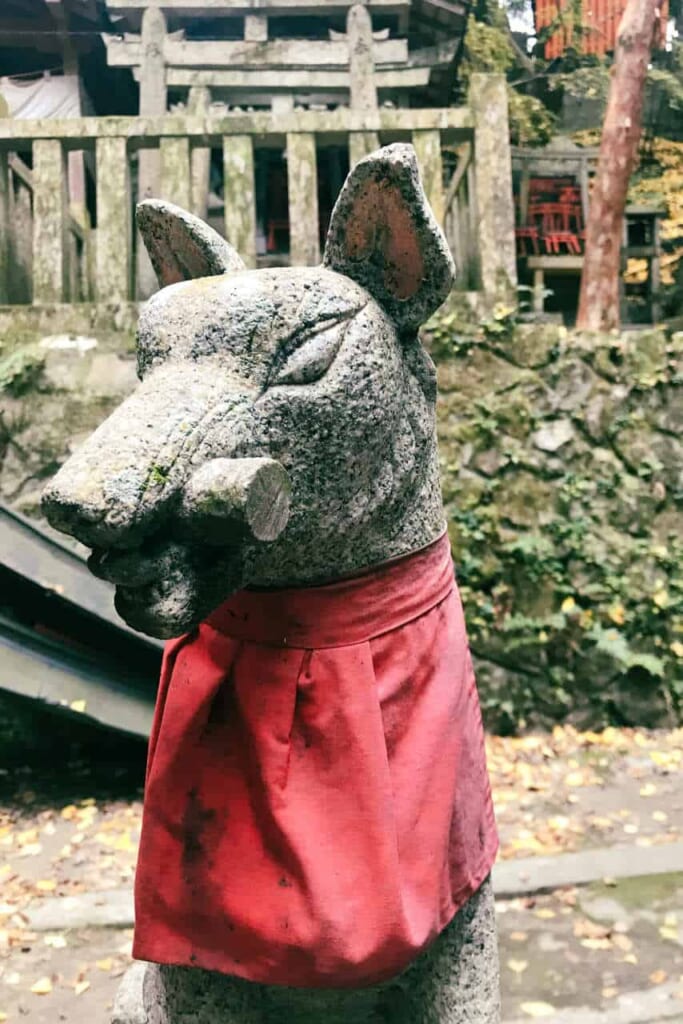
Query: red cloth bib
(317, 804)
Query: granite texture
(283, 434)
(317, 369)
(454, 982)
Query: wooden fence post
(49, 222)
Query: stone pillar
(152, 104)
(495, 217)
(428, 151)
(239, 195)
(362, 76)
(49, 221)
(113, 238)
(5, 226)
(198, 103)
(175, 171)
(256, 28)
(302, 185)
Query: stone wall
(62, 370)
(563, 478)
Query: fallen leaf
(519, 936)
(80, 987)
(538, 1009)
(42, 987)
(106, 964)
(78, 705)
(658, 977)
(649, 789)
(518, 966)
(610, 992)
(667, 932)
(660, 816)
(46, 885)
(55, 941)
(545, 913)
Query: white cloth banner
(49, 96)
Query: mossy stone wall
(563, 479)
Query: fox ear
(181, 246)
(383, 234)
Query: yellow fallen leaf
(660, 816)
(630, 958)
(596, 943)
(649, 789)
(124, 842)
(519, 936)
(518, 966)
(106, 964)
(55, 941)
(677, 648)
(78, 705)
(46, 885)
(3, 1017)
(667, 932)
(617, 614)
(658, 977)
(671, 919)
(545, 913)
(568, 605)
(661, 597)
(42, 987)
(80, 987)
(610, 992)
(538, 1009)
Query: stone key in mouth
(223, 503)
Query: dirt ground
(70, 809)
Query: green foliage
(487, 50)
(20, 370)
(531, 123)
(569, 552)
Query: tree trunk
(600, 292)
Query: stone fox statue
(318, 832)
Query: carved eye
(315, 356)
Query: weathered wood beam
(78, 131)
(287, 81)
(302, 183)
(279, 53)
(239, 8)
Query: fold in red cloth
(317, 804)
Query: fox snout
(140, 469)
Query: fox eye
(314, 357)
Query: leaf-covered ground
(70, 809)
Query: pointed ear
(181, 246)
(383, 234)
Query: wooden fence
(49, 253)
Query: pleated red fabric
(317, 803)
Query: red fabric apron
(317, 804)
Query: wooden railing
(49, 254)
